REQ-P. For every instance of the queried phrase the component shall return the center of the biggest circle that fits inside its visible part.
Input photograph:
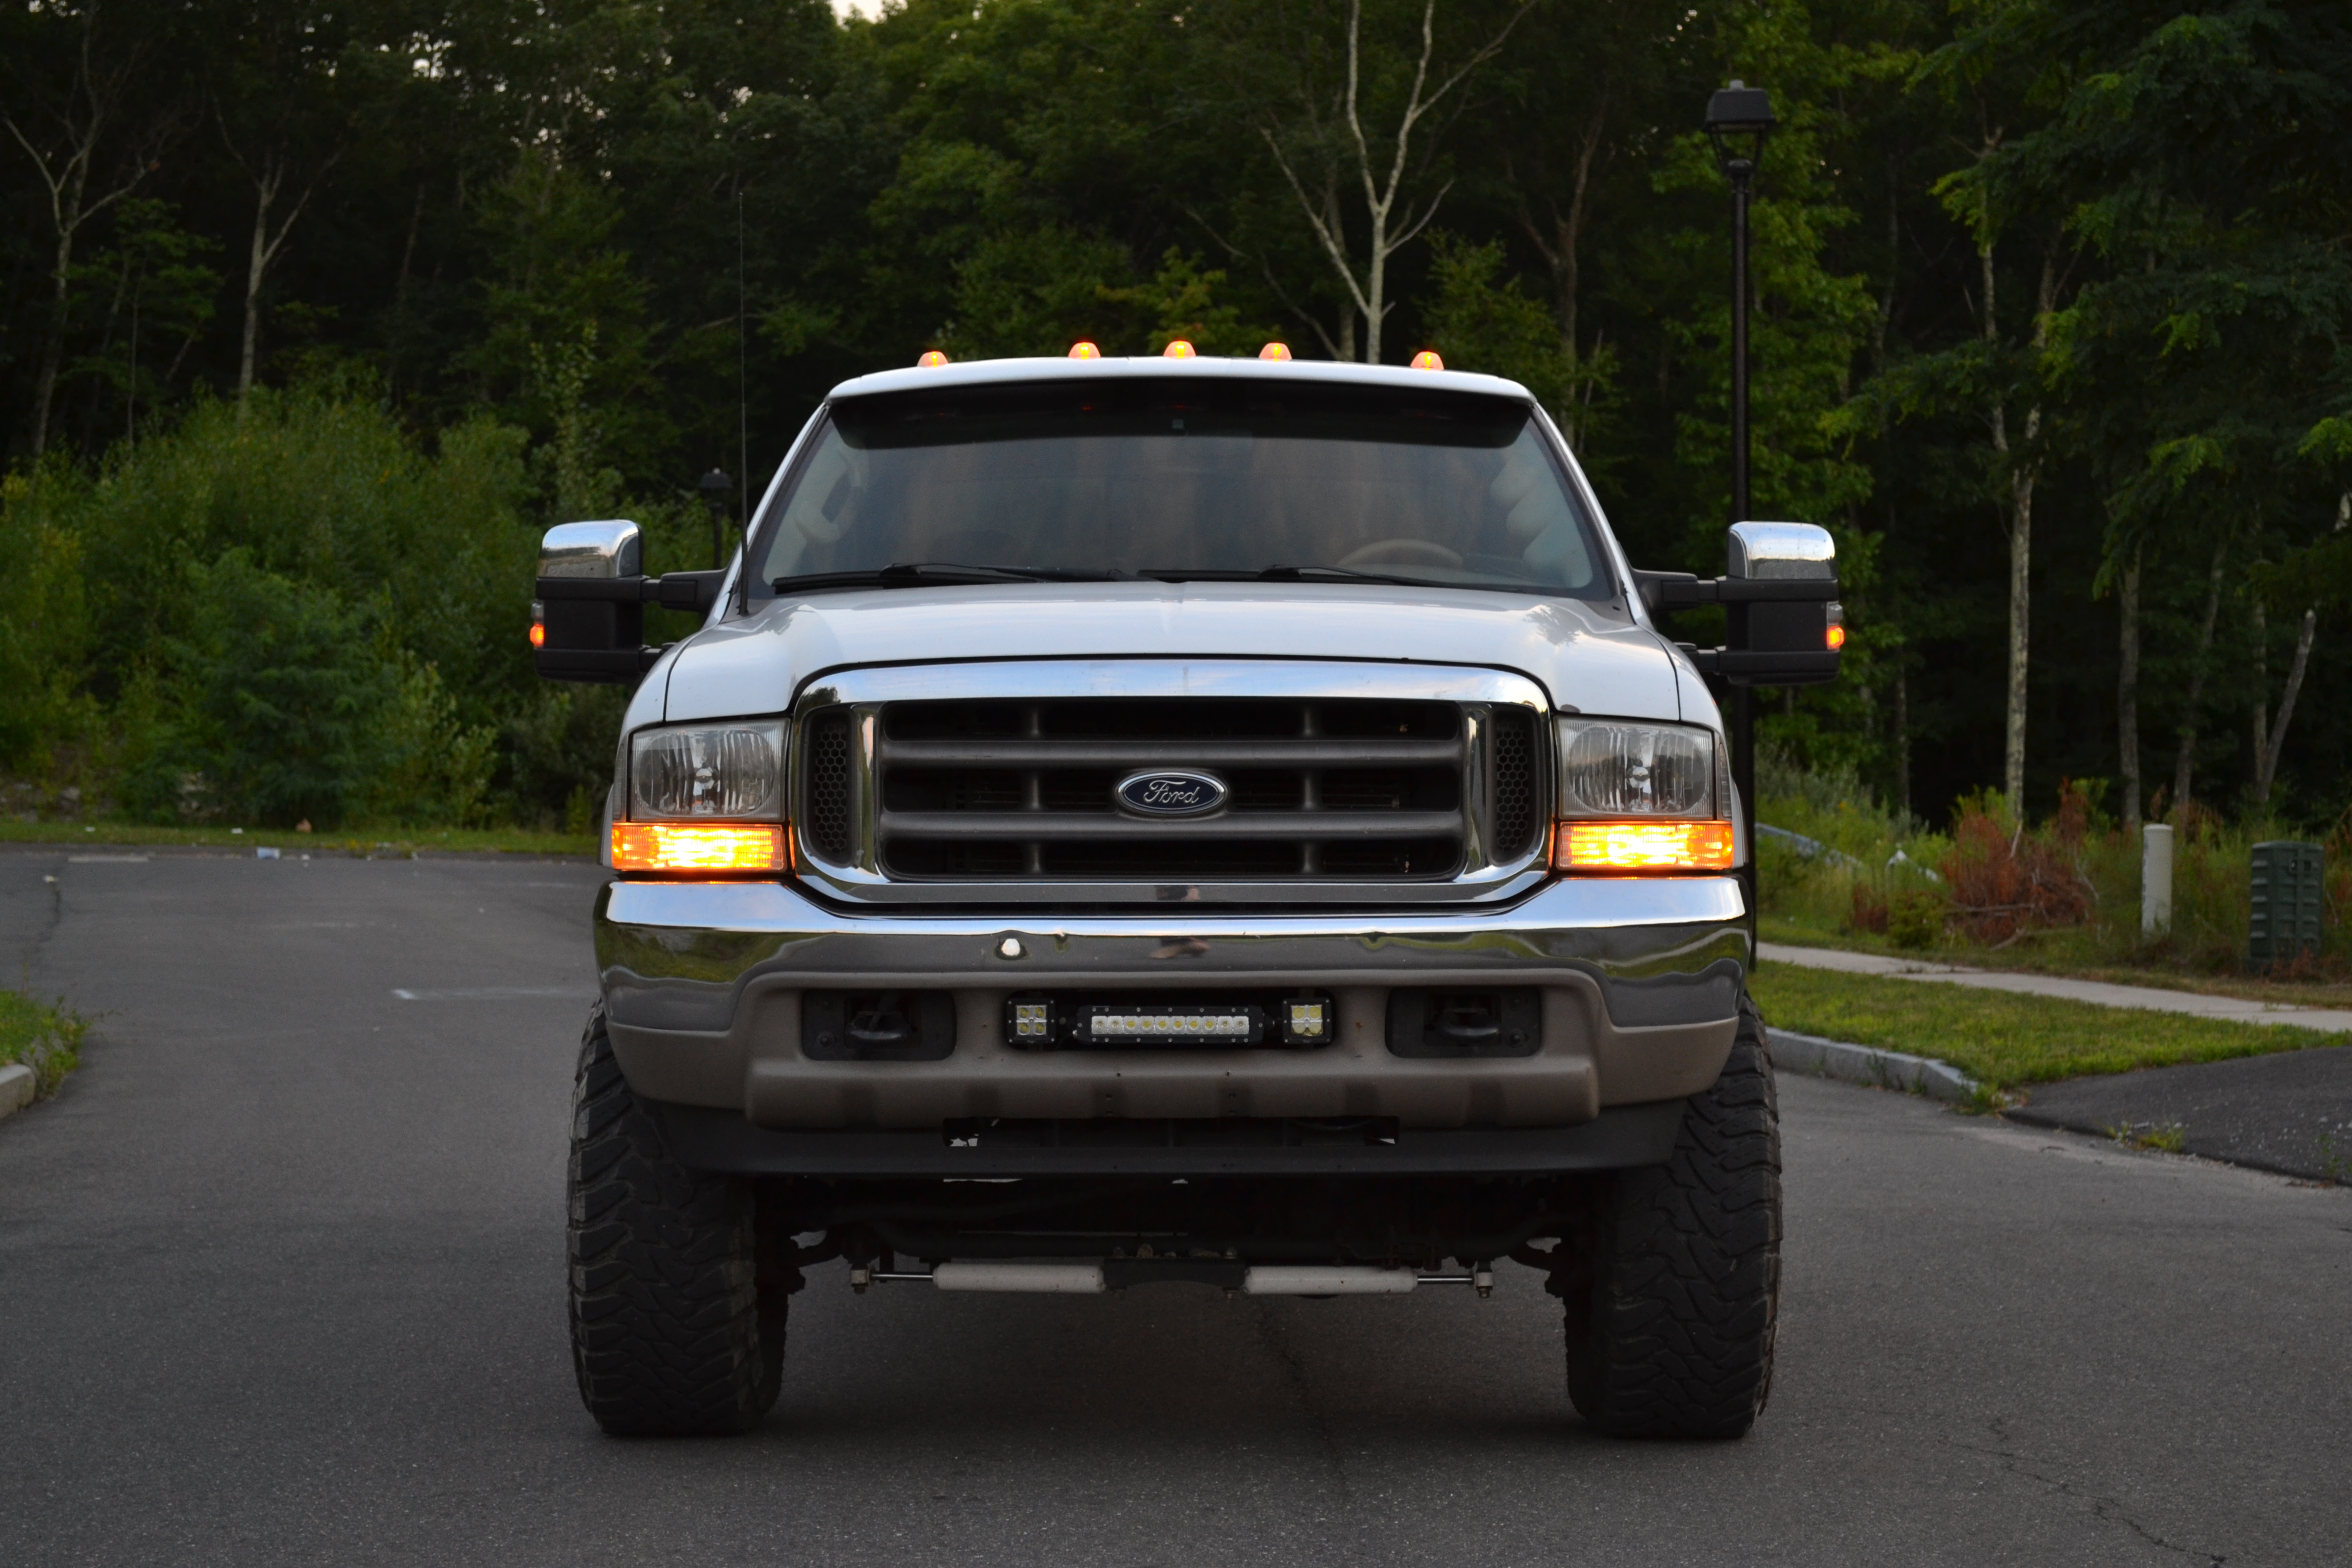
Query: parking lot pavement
(281, 1281)
(2290, 1113)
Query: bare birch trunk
(2269, 762)
(2127, 689)
(256, 266)
(2260, 614)
(1389, 218)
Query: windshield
(1183, 479)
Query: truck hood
(1589, 660)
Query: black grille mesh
(1513, 766)
(828, 823)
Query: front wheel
(1674, 1289)
(672, 1333)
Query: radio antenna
(743, 367)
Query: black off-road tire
(1674, 1288)
(672, 1333)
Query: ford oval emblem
(1172, 794)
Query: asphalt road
(281, 1281)
(2291, 1112)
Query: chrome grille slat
(1026, 824)
(1211, 752)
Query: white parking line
(492, 993)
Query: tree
(1359, 140)
(79, 104)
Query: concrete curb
(16, 1085)
(1869, 1065)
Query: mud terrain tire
(1674, 1290)
(671, 1332)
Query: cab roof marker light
(1177, 349)
(1084, 350)
(1427, 360)
(1274, 351)
(932, 359)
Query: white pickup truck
(1121, 821)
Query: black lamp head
(717, 489)
(1739, 118)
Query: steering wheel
(1400, 552)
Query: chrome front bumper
(1640, 979)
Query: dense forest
(317, 311)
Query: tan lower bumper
(758, 1066)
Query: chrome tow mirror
(1783, 623)
(588, 620)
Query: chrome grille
(994, 784)
(1329, 788)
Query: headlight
(704, 798)
(684, 771)
(1641, 798)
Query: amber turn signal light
(1624, 848)
(699, 846)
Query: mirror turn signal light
(1274, 350)
(699, 846)
(1632, 848)
(1177, 349)
(1084, 350)
(1836, 635)
(932, 359)
(538, 623)
(1427, 360)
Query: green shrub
(1915, 917)
(280, 702)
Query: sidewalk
(2232, 1009)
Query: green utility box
(2288, 897)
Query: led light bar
(699, 846)
(1170, 1024)
(1632, 848)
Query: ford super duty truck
(1235, 822)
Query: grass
(44, 1037)
(405, 841)
(2006, 1041)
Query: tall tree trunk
(256, 265)
(2259, 615)
(2127, 689)
(2267, 765)
(2184, 761)
(2021, 477)
(45, 380)
(1901, 741)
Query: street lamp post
(1738, 119)
(717, 487)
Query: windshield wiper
(1283, 574)
(937, 573)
